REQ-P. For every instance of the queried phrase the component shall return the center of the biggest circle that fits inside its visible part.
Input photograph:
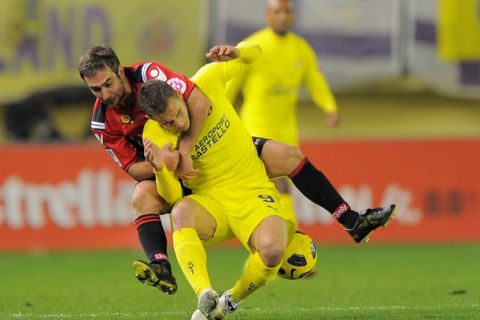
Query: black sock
(152, 236)
(314, 185)
(348, 219)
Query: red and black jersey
(119, 128)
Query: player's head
(100, 68)
(280, 15)
(165, 105)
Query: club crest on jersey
(177, 84)
(150, 72)
(125, 118)
(157, 74)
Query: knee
(293, 157)
(271, 253)
(182, 217)
(270, 239)
(145, 199)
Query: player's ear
(121, 72)
(179, 94)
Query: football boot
(157, 274)
(370, 219)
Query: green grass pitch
(352, 282)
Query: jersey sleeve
(249, 53)
(179, 82)
(217, 75)
(316, 83)
(118, 148)
(168, 186)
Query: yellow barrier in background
(43, 39)
(459, 30)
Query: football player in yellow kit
(271, 86)
(232, 195)
(215, 189)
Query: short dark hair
(154, 96)
(97, 58)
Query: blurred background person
(271, 87)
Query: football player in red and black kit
(118, 121)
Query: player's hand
(161, 157)
(170, 157)
(333, 119)
(223, 52)
(185, 169)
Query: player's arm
(168, 186)
(249, 53)
(222, 52)
(198, 107)
(125, 155)
(319, 88)
(233, 87)
(140, 170)
(231, 62)
(164, 159)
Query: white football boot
(198, 315)
(207, 304)
(226, 304)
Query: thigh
(272, 229)
(282, 184)
(146, 200)
(208, 209)
(280, 159)
(256, 206)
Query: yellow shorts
(238, 212)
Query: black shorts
(259, 143)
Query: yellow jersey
(271, 86)
(224, 153)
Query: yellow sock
(192, 258)
(255, 275)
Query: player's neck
(280, 35)
(129, 101)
